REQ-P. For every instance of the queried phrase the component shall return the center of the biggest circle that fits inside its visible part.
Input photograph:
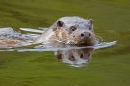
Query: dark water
(102, 65)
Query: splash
(10, 38)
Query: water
(28, 66)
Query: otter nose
(85, 35)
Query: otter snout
(85, 35)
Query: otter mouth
(84, 43)
(71, 42)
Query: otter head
(75, 30)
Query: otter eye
(89, 28)
(73, 28)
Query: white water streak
(32, 30)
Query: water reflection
(75, 57)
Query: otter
(70, 30)
(67, 30)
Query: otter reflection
(75, 57)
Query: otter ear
(90, 21)
(60, 23)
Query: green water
(108, 67)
